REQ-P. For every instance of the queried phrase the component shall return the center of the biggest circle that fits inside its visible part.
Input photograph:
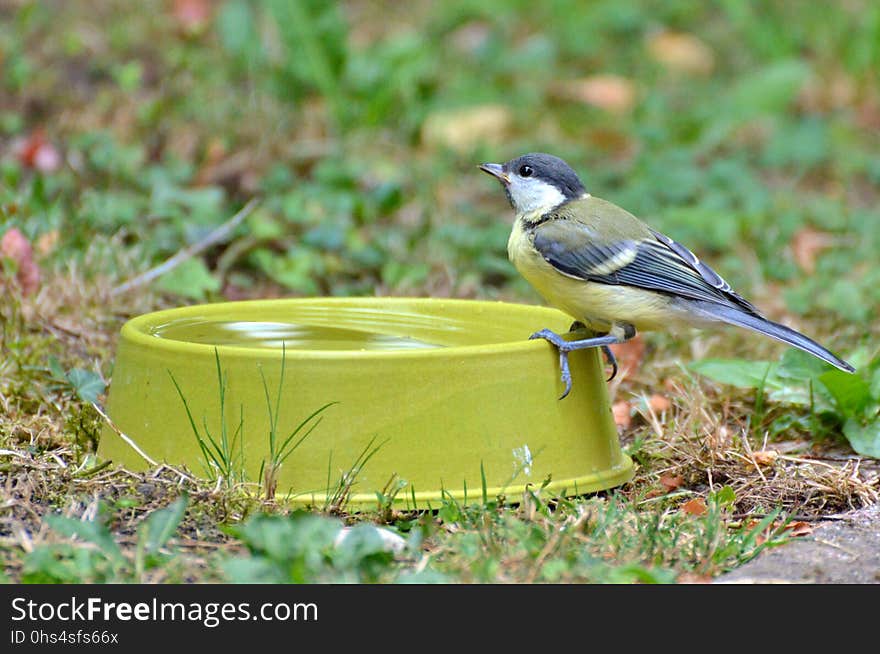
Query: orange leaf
(765, 457)
(47, 242)
(681, 52)
(693, 578)
(695, 507)
(671, 482)
(622, 415)
(807, 244)
(629, 355)
(659, 403)
(612, 93)
(460, 129)
(799, 528)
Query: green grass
(599, 540)
(223, 454)
(359, 125)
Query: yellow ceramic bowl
(450, 394)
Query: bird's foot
(564, 347)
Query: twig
(121, 435)
(216, 236)
(137, 449)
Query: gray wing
(655, 262)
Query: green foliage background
(321, 108)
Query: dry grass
(696, 445)
(703, 443)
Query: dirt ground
(842, 550)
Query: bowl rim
(134, 331)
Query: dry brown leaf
(799, 528)
(609, 92)
(695, 507)
(462, 129)
(765, 457)
(681, 52)
(807, 244)
(659, 403)
(671, 482)
(16, 247)
(47, 242)
(629, 355)
(828, 92)
(694, 578)
(622, 414)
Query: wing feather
(655, 262)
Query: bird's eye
(526, 171)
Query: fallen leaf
(695, 507)
(671, 482)
(35, 151)
(47, 241)
(622, 414)
(462, 129)
(659, 403)
(693, 578)
(15, 246)
(192, 16)
(807, 244)
(799, 528)
(829, 92)
(765, 457)
(681, 52)
(629, 355)
(612, 93)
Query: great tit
(610, 271)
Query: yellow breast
(595, 304)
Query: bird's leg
(618, 333)
(577, 326)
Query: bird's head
(536, 182)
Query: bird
(610, 271)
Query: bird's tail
(782, 333)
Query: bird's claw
(564, 347)
(612, 361)
(565, 373)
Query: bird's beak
(496, 170)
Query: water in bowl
(271, 335)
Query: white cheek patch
(533, 194)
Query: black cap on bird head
(550, 169)
(536, 179)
